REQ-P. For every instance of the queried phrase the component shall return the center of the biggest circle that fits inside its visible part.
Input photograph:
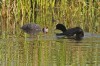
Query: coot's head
(61, 27)
(45, 30)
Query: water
(47, 50)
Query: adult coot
(76, 32)
(31, 28)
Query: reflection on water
(46, 52)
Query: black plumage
(76, 32)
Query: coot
(76, 32)
(31, 28)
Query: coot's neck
(64, 30)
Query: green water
(49, 51)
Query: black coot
(76, 32)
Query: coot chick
(76, 32)
(31, 28)
(45, 30)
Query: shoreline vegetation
(83, 13)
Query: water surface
(48, 50)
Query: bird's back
(31, 28)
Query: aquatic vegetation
(15, 13)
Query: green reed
(15, 13)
